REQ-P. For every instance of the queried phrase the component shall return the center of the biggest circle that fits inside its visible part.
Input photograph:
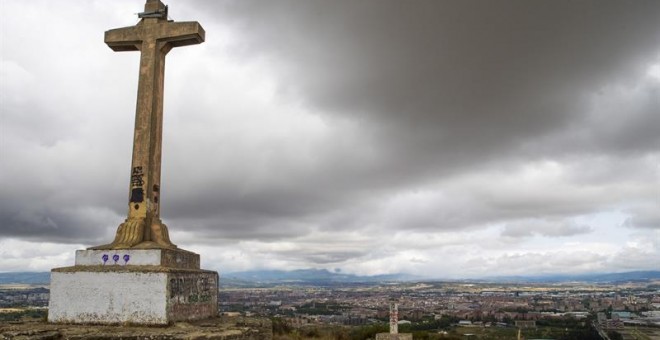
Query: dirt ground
(221, 328)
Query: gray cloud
(645, 216)
(436, 75)
(368, 119)
(545, 228)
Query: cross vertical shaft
(154, 36)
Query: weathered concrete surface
(173, 258)
(149, 295)
(221, 328)
(154, 36)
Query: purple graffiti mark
(115, 258)
(104, 258)
(126, 258)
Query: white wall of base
(144, 295)
(108, 297)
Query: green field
(512, 333)
(322, 332)
(640, 333)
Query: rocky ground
(221, 328)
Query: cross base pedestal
(140, 287)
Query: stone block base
(143, 295)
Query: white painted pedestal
(132, 286)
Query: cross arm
(182, 33)
(123, 39)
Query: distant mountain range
(33, 278)
(595, 278)
(325, 277)
(322, 276)
(311, 276)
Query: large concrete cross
(154, 36)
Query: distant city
(586, 306)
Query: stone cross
(154, 36)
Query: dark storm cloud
(450, 81)
(299, 127)
(55, 224)
(58, 168)
(436, 88)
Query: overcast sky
(440, 138)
